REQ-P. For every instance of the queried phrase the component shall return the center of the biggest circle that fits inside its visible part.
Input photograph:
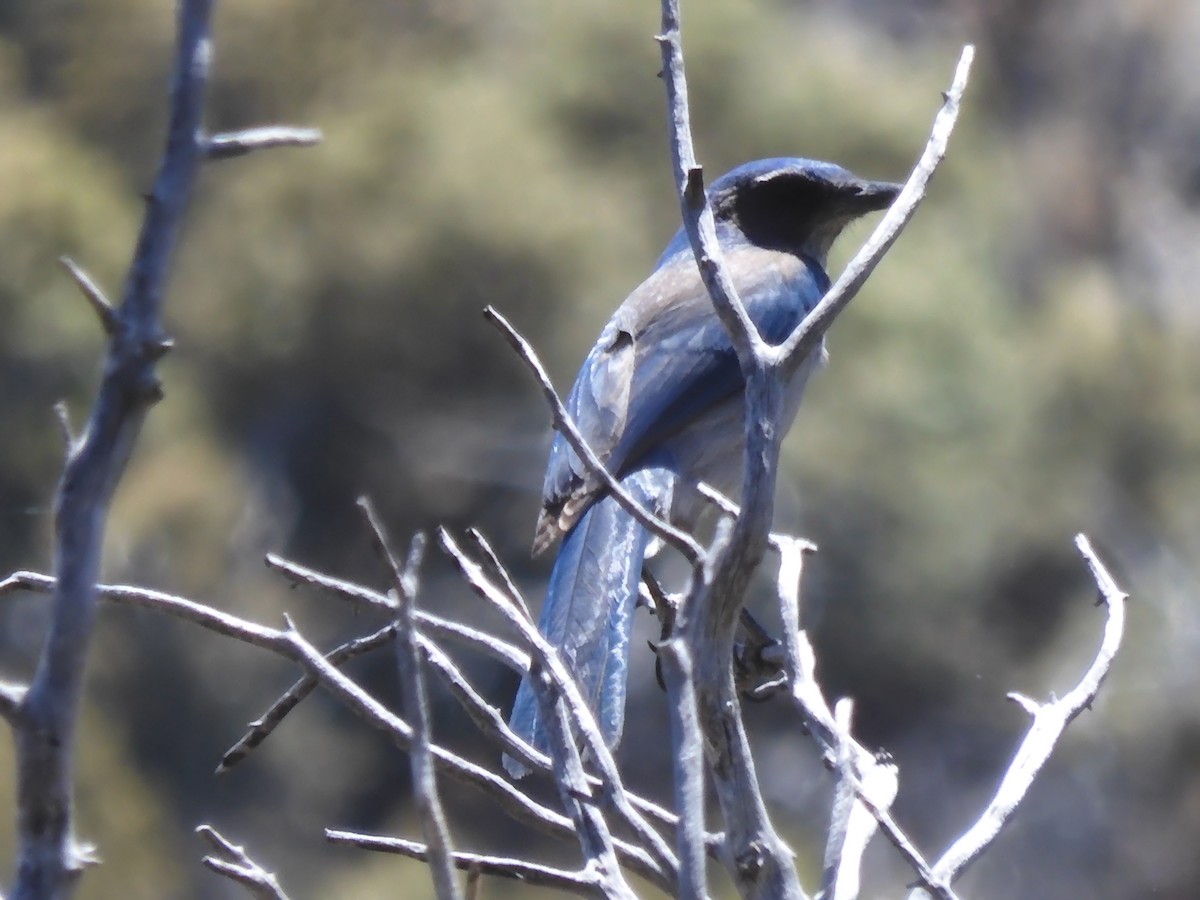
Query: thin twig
(1050, 720)
(356, 593)
(239, 867)
(792, 352)
(853, 823)
(180, 607)
(499, 570)
(875, 781)
(266, 137)
(412, 687)
(839, 819)
(360, 595)
(62, 414)
(262, 727)
(584, 882)
(776, 540)
(292, 644)
(492, 726)
(486, 717)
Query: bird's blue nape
(764, 168)
(752, 173)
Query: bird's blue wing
(685, 363)
(664, 359)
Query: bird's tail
(588, 613)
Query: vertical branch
(760, 861)
(697, 215)
(412, 688)
(689, 768)
(591, 829)
(48, 859)
(853, 824)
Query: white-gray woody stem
(44, 724)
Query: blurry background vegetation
(1024, 365)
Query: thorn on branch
(95, 297)
(11, 697)
(158, 348)
(63, 416)
(83, 856)
(1028, 704)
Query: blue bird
(660, 400)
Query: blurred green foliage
(1023, 366)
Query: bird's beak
(876, 195)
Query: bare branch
(436, 625)
(513, 801)
(585, 882)
(412, 688)
(493, 727)
(498, 569)
(289, 645)
(839, 826)
(697, 216)
(23, 580)
(563, 423)
(356, 593)
(266, 137)
(1050, 720)
(762, 864)
(874, 780)
(801, 342)
(262, 727)
(591, 829)
(853, 823)
(711, 616)
(95, 297)
(689, 767)
(203, 615)
(563, 683)
(486, 717)
(48, 858)
(238, 866)
(777, 540)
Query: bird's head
(795, 205)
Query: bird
(660, 400)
